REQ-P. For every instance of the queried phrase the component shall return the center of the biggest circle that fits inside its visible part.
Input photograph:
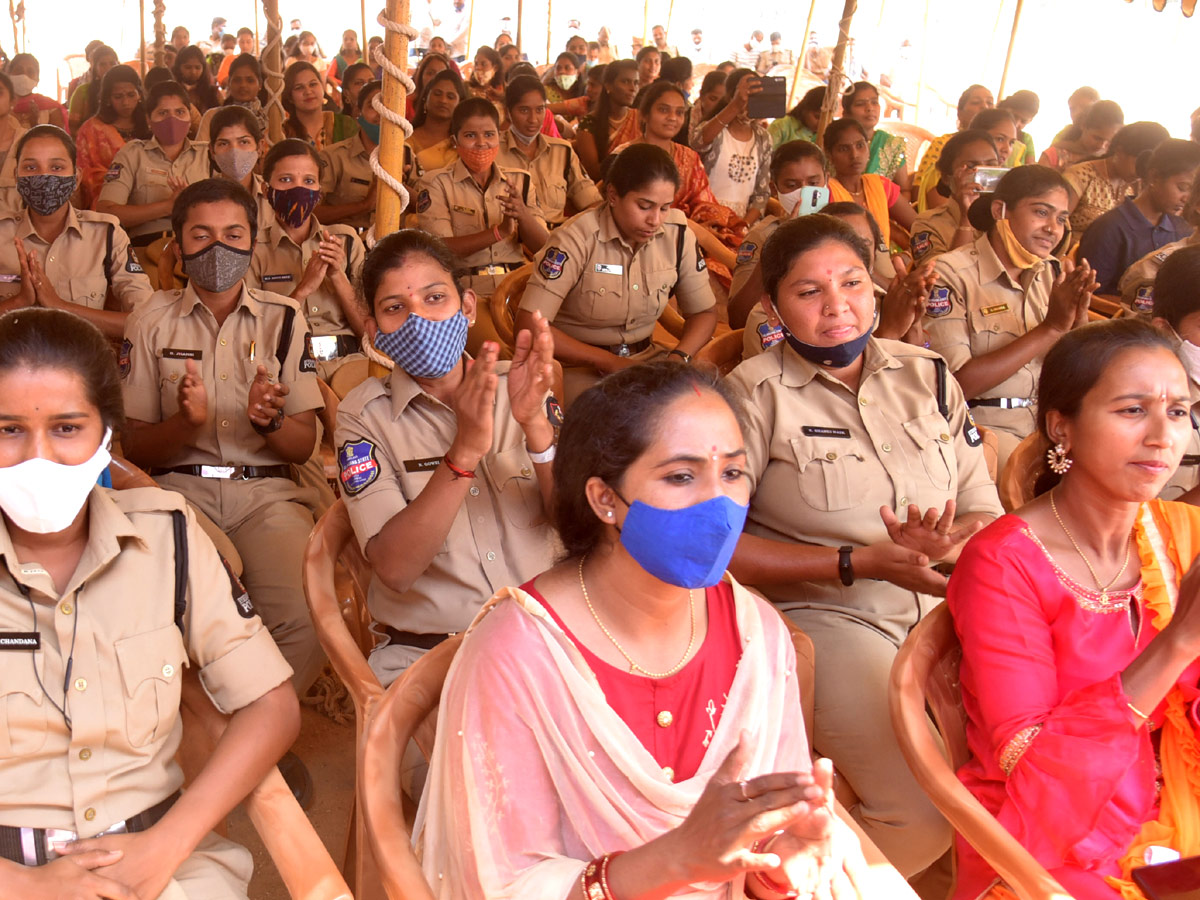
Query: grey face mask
(236, 164)
(217, 267)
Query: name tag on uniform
(822, 431)
(271, 279)
(360, 181)
(428, 464)
(6, 278)
(20, 640)
(176, 353)
(992, 310)
(1190, 459)
(162, 172)
(465, 210)
(609, 269)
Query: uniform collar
(189, 300)
(992, 269)
(152, 142)
(796, 371)
(460, 172)
(608, 230)
(508, 142)
(108, 526)
(25, 227)
(273, 234)
(404, 390)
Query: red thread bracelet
(455, 470)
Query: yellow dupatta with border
(876, 198)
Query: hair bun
(980, 213)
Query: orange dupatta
(1168, 540)
(876, 198)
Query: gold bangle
(1137, 712)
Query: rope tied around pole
(393, 71)
(272, 77)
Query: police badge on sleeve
(357, 466)
(938, 303)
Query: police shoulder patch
(769, 335)
(921, 243)
(554, 411)
(938, 303)
(357, 465)
(307, 362)
(1143, 302)
(132, 265)
(424, 201)
(552, 263)
(113, 173)
(971, 432)
(241, 596)
(745, 252)
(123, 358)
(701, 265)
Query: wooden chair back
(1021, 471)
(925, 677)
(506, 300)
(724, 351)
(349, 376)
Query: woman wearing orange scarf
(1080, 633)
(848, 149)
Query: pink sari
(533, 774)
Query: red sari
(96, 144)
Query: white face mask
(789, 200)
(1189, 354)
(566, 82)
(23, 85)
(45, 497)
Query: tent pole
(362, 47)
(470, 33)
(160, 33)
(257, 40)
(833, 96)
(803, 53)
(142, 35)
(520, 22)
(273, 70)
(1012, 41)
(391, 138)
(549, 19)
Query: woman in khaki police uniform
(236, 150)
(609, 272)
(147, 176)
(105, 596)
(445, 462)
(348, 187)
(945, 227)
(220, 392)
(54, 255)
(557, 173)
(317, 266)
(487, 214)
(999, 302)
(868, 470)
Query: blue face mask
(689, 547)
(370, 129)
(425, 348)
(836, 357)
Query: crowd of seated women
(627, 538)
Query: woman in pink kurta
(1074, 670)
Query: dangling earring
(1057, 460)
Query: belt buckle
(623, 351)
(324, 347)
(52, 836)
(216, 471)
(494, 270)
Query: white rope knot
(392, 71)
(272, 77)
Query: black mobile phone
(771, 101)
(1178, 880)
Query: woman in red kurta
(1078, 679)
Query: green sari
(887, 154)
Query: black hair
(1078, 360)
(366, 92)
(163, 89)
(1016, 185)
(711, 80)
(292, 127)
(517, 69)
(422, 113)
(989, 118)
(1104, 114)
(285, 149)
(646, 51)
(391, 252)
(46, 131)
(469, 108)
(156, 76)
(732, 80)
(248, 61)
(966, 95)
(956, 144)
(504, 49)
(519, 87)
(421, 74)
(227, 117)
(346, 76)
(852, 92)
(213, 190)
(640, 165)
(833, 132)
(793, 151)
(797, 236)
(122, 74)
(653, 94)
(811, 102)
(677, 69)
(1137, 138)
(1175, 295)
(94, 94)
(631, 404)
(205, 89)
(600, 115)
(1170, 158)
(845, 209)
(493, 57)
(39, 338)
(1026, 102)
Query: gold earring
(1057, 459)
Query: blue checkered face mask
(425, 348)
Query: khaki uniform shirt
(173, 327)
(933, 231)
(138, 176)
(450, 202)
(1137, 284)
(593, 286)
(10, 200)
(278, 265)
(824, 460)
(91, 256)
(391, 436)
(346, 177)
(975, 308)
(118, 758)
(557, 174)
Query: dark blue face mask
(836, 357)
(689, 547)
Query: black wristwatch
(275, 425)
(686, 357)
(845, 566)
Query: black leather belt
(324, 347)
(409, 639)
(31, 846)
(1002, 403)
(233, 473)
(494, 269)
(143, 240)
(629, 349)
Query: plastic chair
(1021, 472)
(344, 632)
(724, 351)
(991, 451)
(916, 139)
(925, 676)
(408, 711)
(1108, 306)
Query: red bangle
(594, 880)
(773, 887)
(455, 470)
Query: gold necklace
(634, 667)
(1102, 588)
